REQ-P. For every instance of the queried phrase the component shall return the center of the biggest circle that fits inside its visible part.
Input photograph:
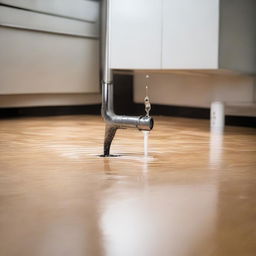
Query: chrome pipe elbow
(145, 123)
(114, 122)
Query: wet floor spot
(109, 155)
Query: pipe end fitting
(146, 123)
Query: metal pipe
(113, 121)
(105, 42)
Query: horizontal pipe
(145, 123)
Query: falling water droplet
(146, 99)
(147, 81)
(147, 110)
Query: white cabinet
(47, 63)
(190, 34)
(183, 34)
(83, 10)
(48, 53)
(135, 40)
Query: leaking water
(146, 134)
(147, 110)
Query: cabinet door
(135, 37)
(190, 34)
(33, 62)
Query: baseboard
(50, 111)
(124, 105)
(138, 109)
(177, 111)
(246, 121)
(195, 112)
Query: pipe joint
(146, 123)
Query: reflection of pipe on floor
(113, 121)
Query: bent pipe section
(114, 122)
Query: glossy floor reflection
(193, 195)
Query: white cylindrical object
(217, 116)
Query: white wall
(238, 35)
(196, 90)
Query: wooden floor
(195, 195)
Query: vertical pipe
(105, 31)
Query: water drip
(146, 135)
(147, 110)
